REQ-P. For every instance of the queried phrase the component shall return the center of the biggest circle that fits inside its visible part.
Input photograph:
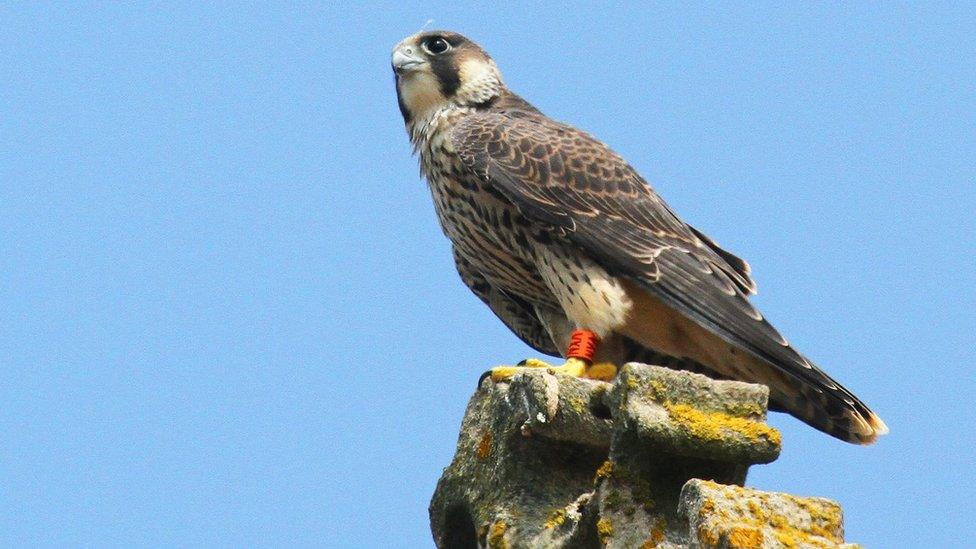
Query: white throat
(424, 131)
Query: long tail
(815, 398)
(824, 404)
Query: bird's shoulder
(564, 176)
(513, 121)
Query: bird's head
(438, 69)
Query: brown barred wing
(578, 188)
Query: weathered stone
(685, 414)
(527, 452)
(733, 517)
(556, 461)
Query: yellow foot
(604, 371)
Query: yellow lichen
(496, 535)
(825, 519)
(794, 538)
(757, 511)
(750, 409)
(484, 447)
(604, 471)
(819, 530)
(740, 537)
(748, 526)
(556, 518)
(657, 535)
(718, 425)
(605, 529)
(707, 536)
(707, 508)
(578, 404)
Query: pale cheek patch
(421, 94)
(475, 70)
(479, 80)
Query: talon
(578, 363)
(483, 376)
(503, 373)
(572, 367)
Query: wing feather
(578, 188)
(514, 312)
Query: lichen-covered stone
(556, 461)
(527, 451)
(733, 517)
(691, 415)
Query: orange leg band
(582, 345)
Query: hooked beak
(405, 60)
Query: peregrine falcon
(574, 251)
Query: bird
(577, 254)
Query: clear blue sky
(228, 316)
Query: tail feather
(821, 403)
(827, 406)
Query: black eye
(436, 45)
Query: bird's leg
(579, 361)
